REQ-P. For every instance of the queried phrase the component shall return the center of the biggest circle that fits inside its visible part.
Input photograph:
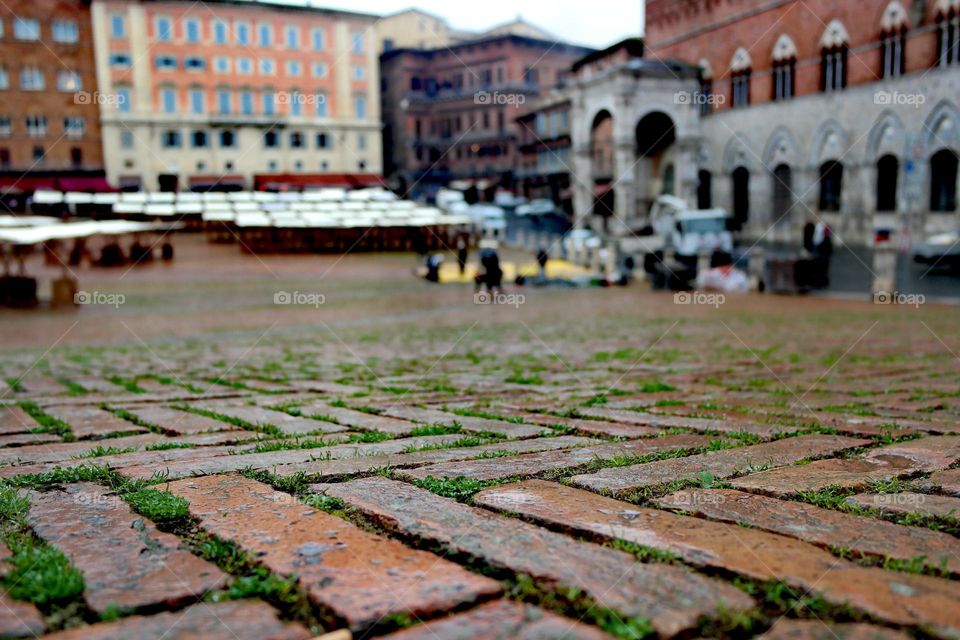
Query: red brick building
(49, 118)
(782, 49)
(451, 113)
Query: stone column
(624, 182)
(582, 182)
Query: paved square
(400, 462)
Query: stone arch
(781, 148)
(784, 49)
(940, 129)
(737, 154)
(741, 60)
(887, 137)
(831, 142)
(834, 36)
(894, 18)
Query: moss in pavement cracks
(48, 424)
(158, 506)
(38, 572)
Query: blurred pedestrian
(463, 253)
(542, 258)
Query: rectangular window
(192, 30)
(833, 69)
(197, 101)
(246, 103)
(170, 139)
(267, 67)
(242, 33)
(740, 84)
(126, 139)
(168, 100)
(5, 126)
(73, 127)
(322, 141)
(195, 64)
(221, 64)
(293, 68)
(360, 106)
(296, 104)
(36, 126)
(268, 101)
(123, 99)
(220, 32)
(293, 37)
(31, 79)
(163, 29)
(120, 60)
(165, 63)
(319, 39)
(361, 141)
(319, 70)
(265, 34)
(65, 31)
(358, 42)
(244, 66)
(26, 29)
(358, 72)
(69, 81)
(321, 102)
(223, 101)
(118, 28)
(4, 78)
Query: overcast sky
(595, 23)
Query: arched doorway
(782, 193)
(704, 189)
(831, 185)
(741, 196)
(943, 181)
(655, 133)
(601, 167)
(888, 170)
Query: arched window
(784, 66)
(782, 192)
(948, 34)
(741, 196)
(893, 41)
(831, 185)
(833, 57)
(704, 189)
(888, 170)
(740, 72)
(943, 181)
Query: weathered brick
(599, 427)
(532, 464)
(908, 502)
(177, 422)
(358, 419)
(503, 619)
(229, 463)
(91, 422)
(898, 598)
(947, 481)
(721, 464)
(124, 560)
(672, 598)
(788, 629)
(62, 451)
(896, 460)
(360, 576)
(469, 423)
(323, 469)
(14, 420)
(698, 424)
(238, 620)
(823, 527)
(27, 439)
(286, 423)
